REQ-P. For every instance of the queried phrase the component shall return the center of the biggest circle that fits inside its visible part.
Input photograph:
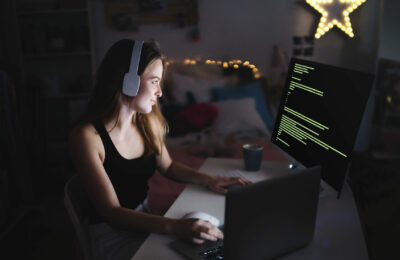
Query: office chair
(77, 205)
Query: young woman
(116, 148)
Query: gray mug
(252, 155)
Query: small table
(338, 233)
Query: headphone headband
(135, 58)
(132, 79)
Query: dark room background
(50, 49)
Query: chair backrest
(77, 204)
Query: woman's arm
(182, 173)
(87, 152)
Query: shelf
(56, 55)
(55, 44)
(54, 11)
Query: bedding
(252, 90)
(199, 88)
(239, 116)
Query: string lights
(330, 18)
(235, 64)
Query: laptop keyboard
(215, 253)
(234, 173)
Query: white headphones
(131, 83)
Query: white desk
(338, 232)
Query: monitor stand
(324, 189)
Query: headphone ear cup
(131, 84)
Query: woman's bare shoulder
(80, 132)
(85, 135)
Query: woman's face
(149, 89)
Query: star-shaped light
(335, 13)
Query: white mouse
(204, 216)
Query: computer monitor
(319, 116)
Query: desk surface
(338, 233)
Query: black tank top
(129, 177)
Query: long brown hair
(104, 102)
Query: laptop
(264, 220)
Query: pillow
(199, 88)
(239, 116)
(252, 90)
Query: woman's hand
(195, 230)
(219, 184)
